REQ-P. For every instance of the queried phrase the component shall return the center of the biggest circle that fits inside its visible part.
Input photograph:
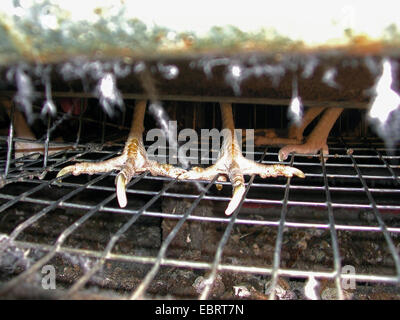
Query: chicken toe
(233, 165)
(317, 140)
(132, 161)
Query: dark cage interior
(334, 234)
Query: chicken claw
(133, 160)
(232, 164)
(32, 148)
(316, 141)
(275, 170)
(295, 132)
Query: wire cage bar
(286, 231)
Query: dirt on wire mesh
(248, 245)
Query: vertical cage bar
(103, 128)
(279, 238)
(377, 214)
(224, 239)
(82, 111)
(106, 253)
(10, 140)
(140, 290)
(46, 143)
(332, 229)
(60, 240)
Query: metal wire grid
(346, 151)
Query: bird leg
(318, 137)
(232, 164)
(133, 159)
(294, 134)
(22, 131)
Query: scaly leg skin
(317, 139)
(133, 160)
(22, 130)
(295, 133)
(232, 164)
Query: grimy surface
(216, 50)
(51, 31)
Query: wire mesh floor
(334, 234)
